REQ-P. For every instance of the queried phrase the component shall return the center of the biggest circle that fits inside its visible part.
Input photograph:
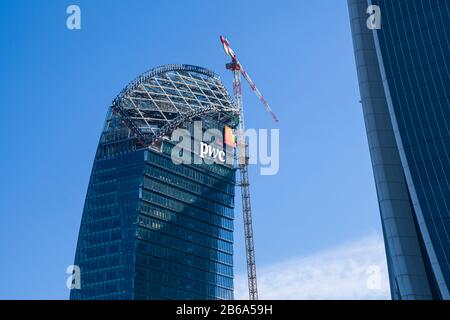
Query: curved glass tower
(403, 70)
(152, 229)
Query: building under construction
(152, 229)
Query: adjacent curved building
(152, 229)
(403, 70)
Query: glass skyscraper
(403, 71)
(153, 229)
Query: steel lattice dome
(163, 98)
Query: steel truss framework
(163, 99)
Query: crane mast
(244, 183)
(243, 157)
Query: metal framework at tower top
(236, 67)
(163, 99)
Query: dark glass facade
(403, 71)
(153, 229)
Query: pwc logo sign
(215, 153)
(205, 146)
(219, 146)
(211, 152)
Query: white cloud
(356, 270)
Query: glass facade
(106, 242)
(153, 229)
(184, 235)
(403, 70)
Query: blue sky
(56, 85)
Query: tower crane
(236, 67)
